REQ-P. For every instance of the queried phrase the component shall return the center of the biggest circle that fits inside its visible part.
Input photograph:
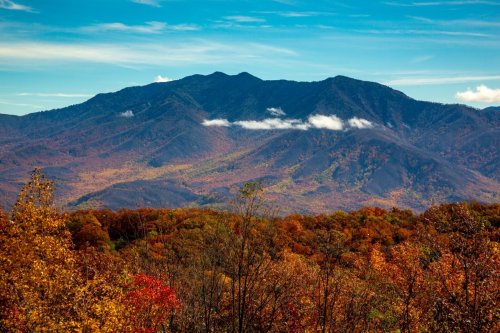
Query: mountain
(340, 143)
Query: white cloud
(140, 53)
(277, 112)
(327, 122)
(64, 95)
(153, 3)
(160, 78)
(21, 104)
(331, 122)
(360, 123)
(298, 14)
(244, 19)
(216, 122)
(127, 114)
(272, 123)
(152, 27)
(481, 94)
(439, 80)
(7, 4)
(183, 27)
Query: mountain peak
(246, 75)
(218, 74)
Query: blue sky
(55, 53)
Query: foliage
(198, 270)
(151, 302)
(39, 282)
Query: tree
(331, 246)
(44, 287)
(466, 274)
(39, 277)
(151, 301)
(404, 279)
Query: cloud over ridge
(327, 122)
(161, 79)
(127, 114)
(481, 94)
(360, 123)
(277, 112)
(331, 122)
(216, 122)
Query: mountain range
(319, 146)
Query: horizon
(56, 54)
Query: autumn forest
(247, 269)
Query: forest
(247, 269)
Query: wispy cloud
(151, 27)
(330, 122)
(160, 79)
(455, 23)
(277, 112)
(424, 32)
(152, 3)
(11, 5)
(299, 14)
(180, 52)
(34, 106)
(482, 94)
(63, 95)
(439, 80)
(442, 3)
(420, 59)
(244, 19)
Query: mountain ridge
(386, 149)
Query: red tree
(152, 302)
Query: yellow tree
(37, 263)
(43, 287)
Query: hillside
(340, 143)
(241, 270)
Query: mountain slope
(341, 143)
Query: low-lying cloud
(216, 122)
(331, 122)
(277, 112)
(127, 114)
(272, 123)
(160, 79)
(481, 94)
(360, 123)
